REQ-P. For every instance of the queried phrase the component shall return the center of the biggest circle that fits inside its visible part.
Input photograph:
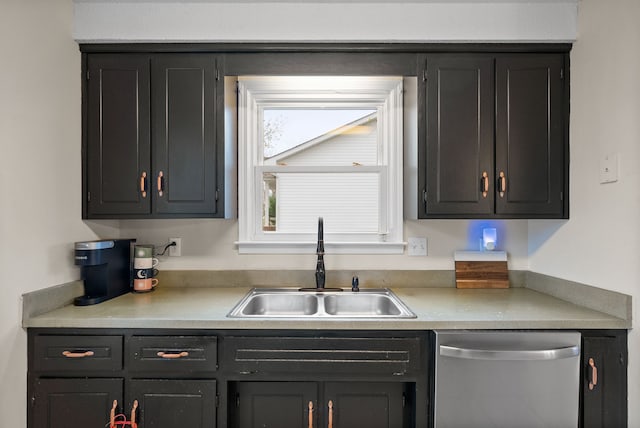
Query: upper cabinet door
(117, 134)
(531, 169)
(184, 134)
(456, 172)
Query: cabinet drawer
(172, 353)
(77, 353)
(384, 356)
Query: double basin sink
(291, 303)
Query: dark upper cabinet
(117, 167)
(151, 136)
(604, 379)
(457, 161)
(184, 134)
(531, 166)
(493, 138)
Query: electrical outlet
(175, 250)
(417, 246)
(609, 168)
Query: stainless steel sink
(356, 304)
(279, 304)
(291, 303)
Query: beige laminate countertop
(441, 308)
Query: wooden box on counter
(486, 269)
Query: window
(310, 147)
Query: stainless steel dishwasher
(507, 379)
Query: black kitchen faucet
(320, 272)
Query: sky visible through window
(287, 128)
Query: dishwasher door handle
(511, 354)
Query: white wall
(343, 20)
(39, 172)
(600, 245)
(209, 244)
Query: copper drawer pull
(143, 184)
(503, 184)
(70, 354)
(593, 381)
(485, 184)
(310, 414)
(173, 355)
(330, 425)
(160, 183)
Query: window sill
(253, 247)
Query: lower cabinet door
(319, 404)
(173, 403)
(275, 405)
(71, 403)
(604, 382)
(364, 404)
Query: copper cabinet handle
(172, 355)
(310, 414)
(593, 381)
(485, 184)
(112, 414)
(503, 183)
(330, 424)
(133, 413)
(143, 184)
(70, 354)
(160, 183)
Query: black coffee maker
(105, 268)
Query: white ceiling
(399, 2)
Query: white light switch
(609, 168)
(417, 246)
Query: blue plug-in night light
(489, 238)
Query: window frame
(384, 93)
